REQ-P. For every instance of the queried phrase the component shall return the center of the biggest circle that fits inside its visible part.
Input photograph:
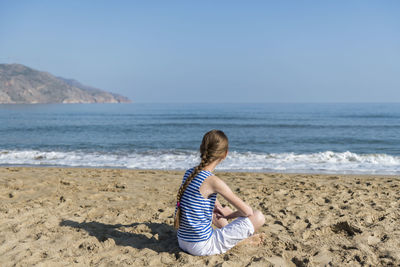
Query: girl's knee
(257, 219)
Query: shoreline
(109, 216)
(2, 166)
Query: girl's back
(196, 211)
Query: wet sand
(106, 217)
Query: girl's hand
(219, 212)
(223, 212)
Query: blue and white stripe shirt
(196, 211)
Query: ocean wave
(322, 162)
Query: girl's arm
(220, 187)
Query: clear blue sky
(212, 51)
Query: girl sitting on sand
(198, 207)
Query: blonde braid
(204, 162)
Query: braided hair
(213, 147)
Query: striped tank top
(196, 211)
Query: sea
(285, 137)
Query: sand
(107, 217)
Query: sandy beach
(115, 217)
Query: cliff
(23, 85)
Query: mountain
(23, 85)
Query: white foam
(323, 162)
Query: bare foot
(254, 240)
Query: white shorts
(221, 239)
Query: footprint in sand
(346, 228)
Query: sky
(212, 51)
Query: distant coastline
(20, 84)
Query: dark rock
(345, 227)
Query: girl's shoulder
(203, 173)
(189, 171)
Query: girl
(198, 207)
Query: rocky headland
(20, 84)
